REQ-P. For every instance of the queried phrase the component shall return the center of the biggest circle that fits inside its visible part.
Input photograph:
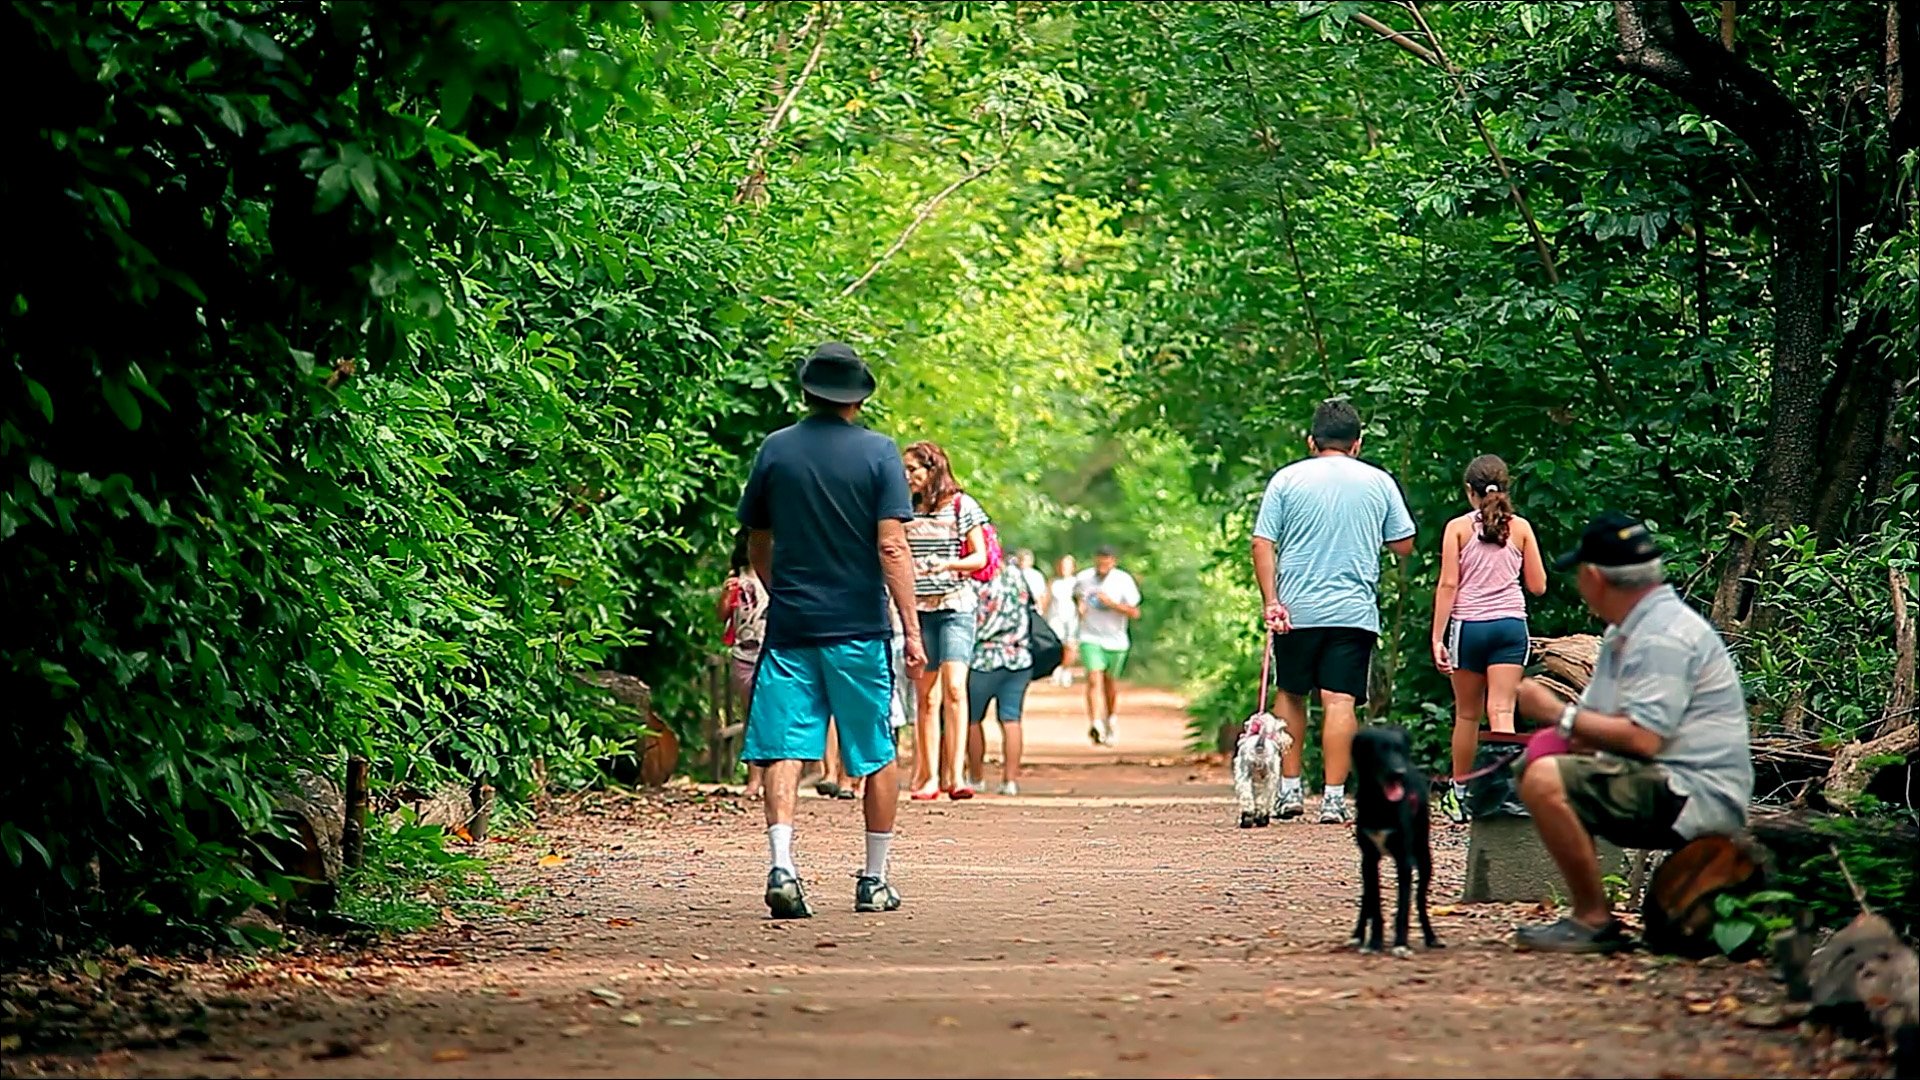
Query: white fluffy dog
(1256, 767)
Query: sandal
(1569, 935)
(846, 793)
(924, 796)
(960, 793)
(827, 788)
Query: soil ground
(1109, 922)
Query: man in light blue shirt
(1316, 554)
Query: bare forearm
(1265, 570)
(1443, 609)
(896, 563)
(1614, 732)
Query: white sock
(1334, 792)
(780, 845)
(877, 845)
(1289, 785)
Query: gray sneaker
(1333, 810)
(785, 899)
(873, 894)
(1289, 805)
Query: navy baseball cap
(1612, 539)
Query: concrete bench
(1506, 863)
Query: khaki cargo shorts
(1623, 800)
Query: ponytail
(1488, 480)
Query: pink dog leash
(1266, 667)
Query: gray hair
(1634, 575)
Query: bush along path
(1110, 921)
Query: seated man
(1658, 740)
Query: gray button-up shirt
(1666, 669)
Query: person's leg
(832, 775)
(1469, 697)
(1013, 702)
(1095, 658)
(953, 720)
(1341, 672)
(981, 689)
(1543, 788)
(1110, 689)
(1292, 711)
(1503, 689)
(926, 728)
(787, 725)
(860, 686)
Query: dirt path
(1108, 922)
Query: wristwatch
(1566, 719)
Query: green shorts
(1623, 800)
(1097, 658)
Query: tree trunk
(1898, 712)
(1660, 43)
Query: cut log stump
(1678, 913)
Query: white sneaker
(1009, 788)
(1106, 734)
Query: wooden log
(313, 814)
(1852, 770)
(1863, 980)
(659, 756)
(1678, 913)
(353, 839)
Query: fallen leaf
(445, 1056)
(633, 1020)
(460, 832)
(447, 916)
(1133, 1055)
(552, 860)
(574, 1031)
(947, 1021)
(812, 1008)
(1700, 1006)
(1445, 909)
(700, 956)
(611, 997)
(619, 922)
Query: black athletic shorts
(1330, 658)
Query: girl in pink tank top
(1480, 613)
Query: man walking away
(827, 502)
(1036, 581)
(1316, 554)
(1109, 600)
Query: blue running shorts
(796, 689)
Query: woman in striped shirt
(945, 521)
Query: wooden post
(482, 813)
(714, 690)
(353, 837)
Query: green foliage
(1744, 923)
(409, 878)
(387, 365)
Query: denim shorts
(1007, 688)
(948, 636)
(1477, 646)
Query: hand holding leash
(1278, 621)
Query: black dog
(1390, 819)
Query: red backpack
(986, 572)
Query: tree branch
(754, 187)
(919, 220)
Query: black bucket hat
(1612, 539)
(834, 372)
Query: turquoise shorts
(796, 689)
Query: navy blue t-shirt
(822, 487)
